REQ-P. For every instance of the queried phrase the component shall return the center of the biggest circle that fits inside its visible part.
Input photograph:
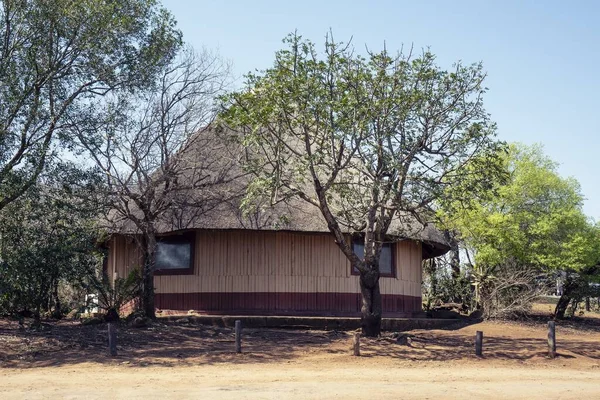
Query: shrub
(111, 298)
(509, 290)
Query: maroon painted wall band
(284, 303)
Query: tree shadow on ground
(65, 343)
(167, 345)
(436, 347)
(573, 324)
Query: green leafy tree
(48, 237)
(581, 283)
(368, 140)
(57, 60)
(534, 220)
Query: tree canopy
(368, 140)
(535, 217)
(528, 231)
(57, 59)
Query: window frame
(187, 237)
(392, 246)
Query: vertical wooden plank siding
(123, 256)
(300, 267)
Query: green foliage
(111, 297)
(576, 287)
(47, 238)
(373, 141)
(535, 218)
(57, 60)
(449, 289)
(529, 226)
(365, 139)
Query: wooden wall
(295, 264)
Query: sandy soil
(305, 380)
(69, 361)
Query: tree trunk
(433, 277)
(429, 266)
(561, 307)
(455, 261)
(149, 244)
(37, 319)
(588, 307)
(567, 294)
(57, 313)
(454, 254)
(371, 309)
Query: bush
(47, 242)
(456, 290)
(441, 287)
(501, 291)
(111, 298)
(577, 286)
(509, 290)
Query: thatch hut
(279, 260)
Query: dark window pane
(385, 259)
(173, 255)
(359, 250)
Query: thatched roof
(223, 210)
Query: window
(175, 255)
(386, 259)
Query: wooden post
(478, 343)
(551, 339)
(238, 336)
(356, 344)
(112, 339)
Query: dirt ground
(68, 360)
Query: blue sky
(542, 57)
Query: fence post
(112, 339)
(238, 336)
(356, 344)
(478, 343)
(551, 339)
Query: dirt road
(70, 361)
(358, 380)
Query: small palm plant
(111, 297)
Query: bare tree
(158, 157)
